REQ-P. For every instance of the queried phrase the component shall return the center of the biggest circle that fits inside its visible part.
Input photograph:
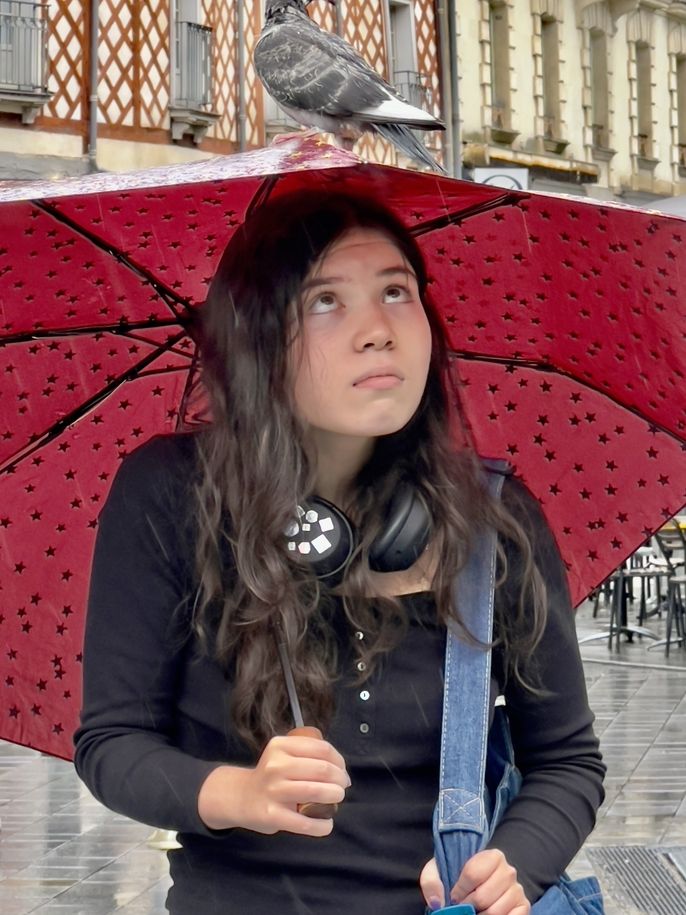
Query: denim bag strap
(462, 825)
(460, 818)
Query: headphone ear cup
(322, 536)
(405, 533)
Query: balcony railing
(551, 126)
(500, 116)
(413, 87)
(553, 141)
(193, 87)
(23, 48)
(600, 136)
(645, 145)
(501, 130)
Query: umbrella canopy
(567, 318)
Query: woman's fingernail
(349, 783)
(434, 903)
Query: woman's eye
(397, 294)
(324, 302)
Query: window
(551, 77)
(191, 67)
(681, 111)
(599, 89)
(644, 99)
(402, 57)
(192, 57)
(402, 53)
(500, 64)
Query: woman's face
(361, 361)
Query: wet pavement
(62, 852)
(639, 699)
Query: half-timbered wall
(364, 28)
(427, 48)
(136, 61)
(253, 87)
(68, 27)
(222, 18)
(426, 29)
(134, 58)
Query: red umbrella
(567, 319)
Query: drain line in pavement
(670, 668)
(650, 879)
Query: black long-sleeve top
(155, 723)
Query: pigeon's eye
(397, 294)
(322, 304)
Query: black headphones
(325, 538)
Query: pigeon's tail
(405, 140)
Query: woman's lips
(379, 382)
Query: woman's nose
(375, 330)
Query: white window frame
(402, 55)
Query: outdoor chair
(650, 569)
(676, 614)
(618, 591)
(672, 544)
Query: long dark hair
(255, 470)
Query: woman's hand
(487, 882)
(290, 771)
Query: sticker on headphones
(309, 532)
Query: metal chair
(672, 544)
(618, 585)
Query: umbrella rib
(168, 296)
(142, 338)
(456, 217)
(554, 370)
(58, 428)
(167, 370)
(262, 194)
(506, 360)
(121, 328)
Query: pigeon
(321, 81)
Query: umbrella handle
(315, 811)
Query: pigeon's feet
(296, 135)
(348, 136)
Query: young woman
(327, 371)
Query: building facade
(586, 96)
(121, 84)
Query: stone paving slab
(62, 853)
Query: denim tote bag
(474, 755)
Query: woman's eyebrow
(318, 281)
(401, 268)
